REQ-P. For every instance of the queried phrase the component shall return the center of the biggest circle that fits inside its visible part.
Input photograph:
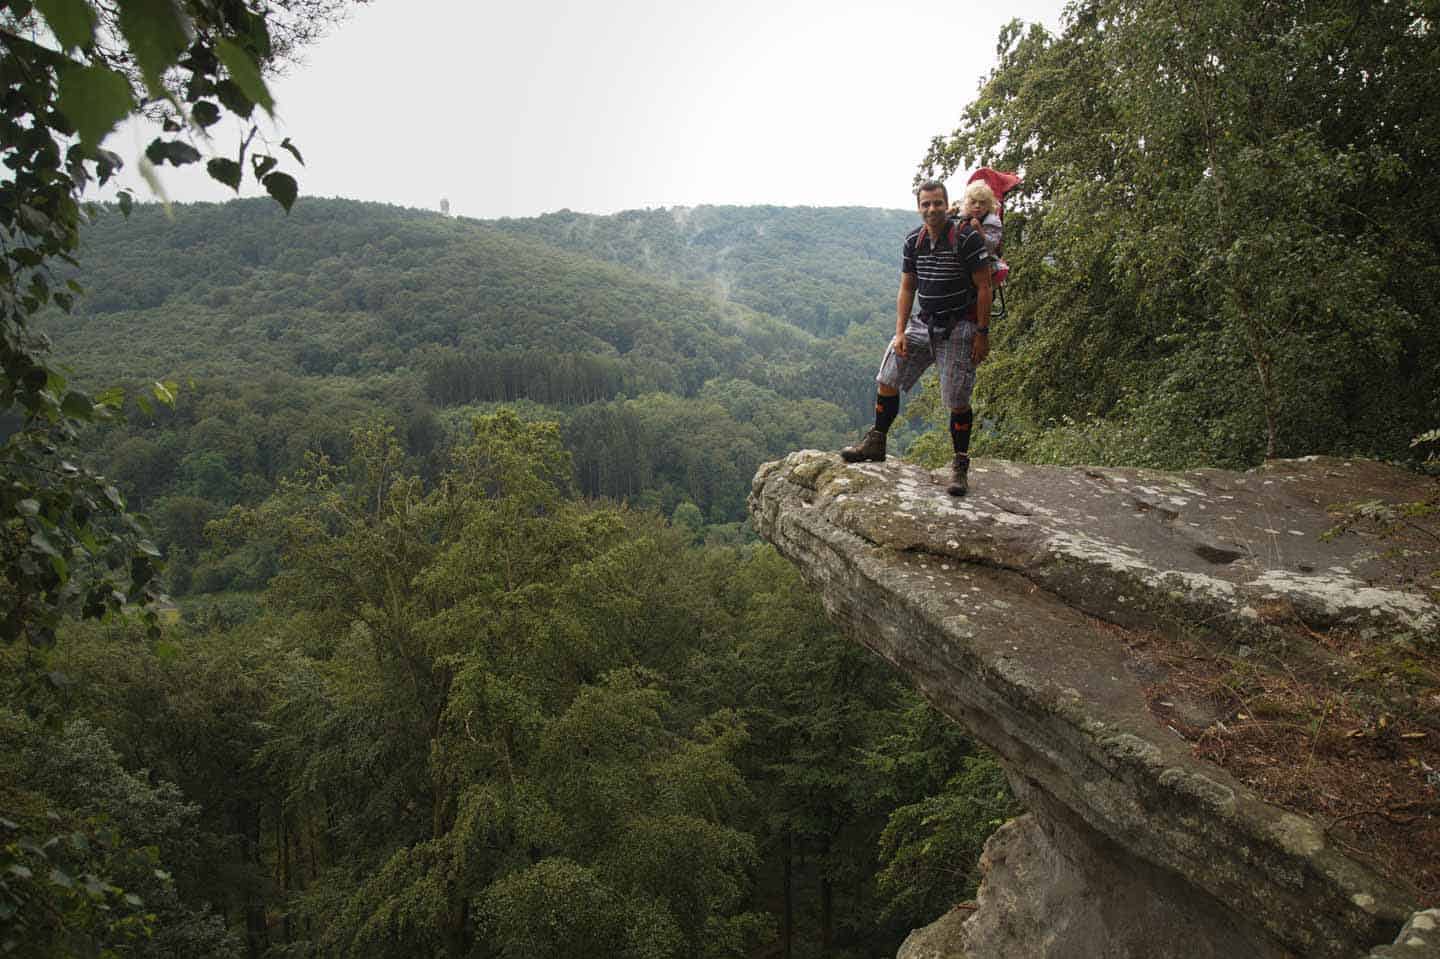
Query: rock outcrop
(1008, 609)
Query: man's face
(934, 207)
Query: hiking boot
(959, 476)
(871, 448)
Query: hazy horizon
(627, 105)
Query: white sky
(520, 108)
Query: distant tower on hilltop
(444, 207)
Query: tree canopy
(72, 70)
(1226, 238)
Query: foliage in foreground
(71, 72)
(82, 869)
(1225, 243)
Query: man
(947, 266)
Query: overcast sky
(514, 109)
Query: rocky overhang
(1001, 608)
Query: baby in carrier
(980, 209)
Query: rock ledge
(990, 604)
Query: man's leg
(896, 372)
(871, 447)
(960, 422)
(957, 381)
(887, 406)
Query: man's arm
(980, 346)
(903, 302)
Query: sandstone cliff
(1223, 722)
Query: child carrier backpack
(1000, 183)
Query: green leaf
(285, 144)
(152, 180)
(234, 98)
(165, 392)
(114, 397)
(73, 21)
(205, 113)
(245, 72)
(42, 542)
(94, 99)
(262, 164)
(177, 152)
(157, 32)
(33, 220)
(225, 170)
(201, 85)
(28, 507)
(142, 571)
(78, 405)
(106, 164)
(283, 188)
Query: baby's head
(979, 200)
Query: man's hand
(979, 347)
(903, 302)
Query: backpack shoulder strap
(959, 227)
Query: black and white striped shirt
(943, 283)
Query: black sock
(886, 409)
(960, 424)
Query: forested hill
(341, 287)
(821, 268)
(288, 332)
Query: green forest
(378, 583)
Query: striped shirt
(943, 283)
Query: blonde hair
(979, 191)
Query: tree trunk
(787, 926)
(1265, 368)
(827, 903)
(286, 868)
(247, 821)
(457, 938)
(1267, 393)
(827, 915)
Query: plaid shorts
(951, 355)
